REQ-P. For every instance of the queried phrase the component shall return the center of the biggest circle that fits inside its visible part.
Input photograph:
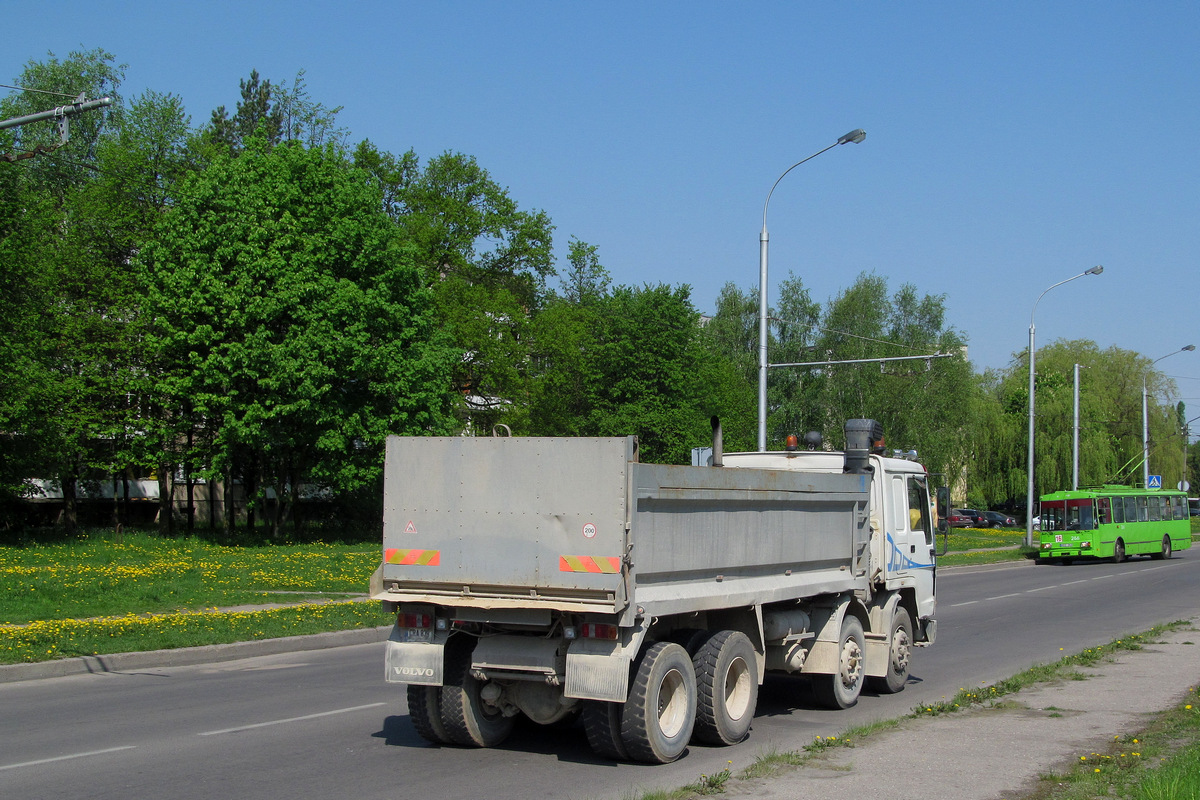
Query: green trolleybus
(1113, 522)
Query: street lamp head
(1189, 348)
(853, 137)
(1096, 270)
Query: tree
(74, 362)
(256, 110)
(586, 281)
(486, 260)
(291, 319)
(1110, 410)
(634, 361)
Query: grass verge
(1160, 762)
(65, 638)
(99, 574)
(100, 593)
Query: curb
(188, 656)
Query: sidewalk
(998, 753)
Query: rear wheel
(841, 689)
(661, 711)
(469, 719)
(1119, 551)
(727, 687)
(424, 709)
(898, 656)
(602, 724)
(1166, 549)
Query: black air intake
(863, 437)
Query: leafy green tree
(486, 260)
(27, 225)
(75, 373)
(924, 406)
(634, 361)
(290, 317)
(586, 281)
(1110, 413)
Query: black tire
(1166, 549)
(602, 724)
(424, 709)
(727, 688)
(469, 720)
(841, 690)
(689, 638)
(898, 656)
(1119, 551)
(661, 711)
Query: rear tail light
(598, 630)
(414, 620)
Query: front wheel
(727, 684)
(898, 656)
(661, 710)
(841, 689)
(1119, 551)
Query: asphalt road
(322, 724)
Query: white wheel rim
(672, 704)
(737, 689)
(851, 663)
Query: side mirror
(943, 501)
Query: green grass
(1160, 762)
(99, 593)
(981, 538)
(97, 576)
(63, 638)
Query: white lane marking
(1040, 588)
(1072, 583)
(67, 758)
(968, 603)
(291, 719)
(1002, 596)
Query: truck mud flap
(599, 670)
(420, 663)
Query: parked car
(977, 518)
(956, 519)
(997, 520)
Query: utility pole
(60, 115)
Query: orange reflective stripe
(607, 565)
(420, 558)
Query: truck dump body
(546, 577)
(577, 524)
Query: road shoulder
(999, 752)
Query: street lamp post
(854, 137)
(1146, 414)
(1096, 270)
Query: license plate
(416, 634)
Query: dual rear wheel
(706, 696)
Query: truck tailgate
(507, 522)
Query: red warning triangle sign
(410, 527)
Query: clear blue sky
(1010, 145)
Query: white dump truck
(561, 577)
